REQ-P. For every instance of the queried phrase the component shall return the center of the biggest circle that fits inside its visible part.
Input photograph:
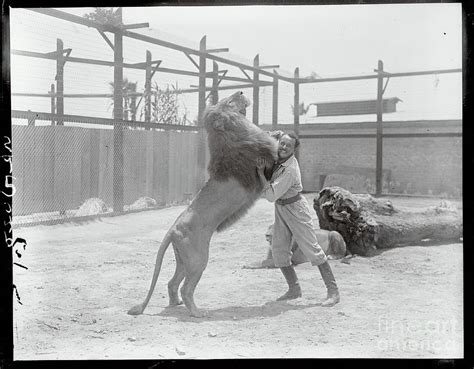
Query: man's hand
(261, 164)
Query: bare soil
(82, 279)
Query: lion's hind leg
(195, 258)
(175, 281)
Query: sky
(330, 40)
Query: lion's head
(226, 111)
(235, 143)
(238, 102)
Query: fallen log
(367, 224)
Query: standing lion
(233, 187)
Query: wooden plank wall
(56, 168)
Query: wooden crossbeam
(51, 94)
(374, 76)
(68, 52)
(85, 96)
(101, 62)
(386, 84)
(54, 54)
(385, 135)
(245, 73)
(136, 25)
(192, 60)
(125, 65)
(224, 49)
(221, 88)
(80, 20)
(222, 78)
(212, 74)
(230, 87)
(104, 36)
(143, 65)
(39, 116)
(227, 78)
(268, 66)
(155, 69)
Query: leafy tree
(302, 109)
(164, 105)
(106, 16)
(129, 100)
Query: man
(293, 219)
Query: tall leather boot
(294, 289)
(330, 282)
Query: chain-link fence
(66, 150)
(68, 171)
(421, 117)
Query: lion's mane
(234, 145)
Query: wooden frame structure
(150, 67)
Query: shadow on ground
(235, 313)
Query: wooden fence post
(133, 103)
(256, 103)
(201, 154)
(202, 79)
(148, 88)
(296, 110)
(53, 102)
(215, 84)
(275, 103)
(60, 81)
(118, 116)
(379, 149)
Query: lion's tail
(138, 309)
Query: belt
(289, 200)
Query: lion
(232, 188)
(331, 242)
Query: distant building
(355, 107)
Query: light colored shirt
(285, 181)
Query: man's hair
(294, 137)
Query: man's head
(287, 145)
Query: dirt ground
(82, 279)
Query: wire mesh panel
(421, 151)
(315, 95)
(266, 105)
(59, 168)
(66, 149)
(426, 165)
(285, 103)
(428, 97)
(436, 169)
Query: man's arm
(276, 189)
